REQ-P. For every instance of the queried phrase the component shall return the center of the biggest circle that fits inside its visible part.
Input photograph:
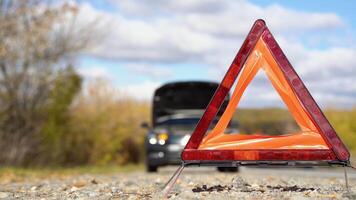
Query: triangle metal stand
(172, 181)
(346, 180)
(168, 187)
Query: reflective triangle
(317, 139)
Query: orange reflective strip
(281, 85)
(303, 140)
(249, 71)
(261, 58)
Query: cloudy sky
(148, 43)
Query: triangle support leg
(346, 180)
(172, 181)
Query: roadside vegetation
(277, 120)
(20, 174)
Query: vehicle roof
(177, 83)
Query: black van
(177, 108)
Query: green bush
(343, 122)
(270, 121)
(275, 121)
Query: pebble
(93, 194)
(3, 195)
(255, 186)
(239, 184)
(115, 189)
(94, 181)
(73, 189)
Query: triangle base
(260, 155)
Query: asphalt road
(194, 183)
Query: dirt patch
(261, 188)
(294, 188)
(217, 188)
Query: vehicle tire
(151, 168)
(228, 169)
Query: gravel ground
(195, 183)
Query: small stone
(73, 189)
(79, 184)
(3, 195)
(186, 194)
(157, 181)
(255, 186)
(350, 195)
(132, 198)
(114, 190)
(239, 184)
(105, 190)
(93, 194)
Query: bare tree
(37, 41)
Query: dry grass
(18, 174)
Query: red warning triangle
(317, 141)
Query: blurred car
(177, 108)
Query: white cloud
(228, 16)
(147, 8)
(189, 30)
(135, 40)
(95, 73)
(210, 32)
(142, 91)
(150, 70)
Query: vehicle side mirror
(145, 125)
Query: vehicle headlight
(162, 138)
(152, 140)
(159, 138)
(161, 142)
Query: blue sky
(147, 44)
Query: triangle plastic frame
(337, 153)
